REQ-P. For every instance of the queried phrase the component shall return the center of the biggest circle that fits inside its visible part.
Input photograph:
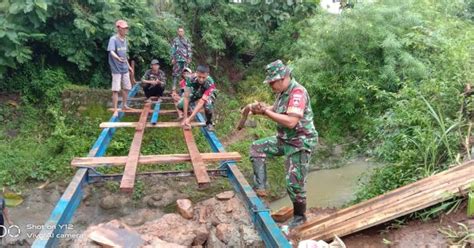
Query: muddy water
(331, 187)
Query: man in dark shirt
(154, 80)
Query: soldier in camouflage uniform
(181, 54)
(202, 90)
(295, 139)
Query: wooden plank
(425, 200)
(399, 202)
(139, 111)
(381, 201)
(199, 167)
(283, 214)
(154, 159)
(158, 124)
(396, 199)
(128, 179)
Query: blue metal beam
(271, 235)
(69, 201)
(156, 112)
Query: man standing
(154, 80)
(296, 137)
(200, 89)
(119, 65)
(181, 54)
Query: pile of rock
(221, 221)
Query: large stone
(224, 232)
(226, 195)
(172, 228)
(213, 241)
(201, 235)
(249, 237)
(185, 208)
(110, 202)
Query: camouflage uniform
(181, 51)
(205, 91)
(295, 143)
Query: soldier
(181, 54)
(296, 137)
(201, 89)
(153, 81)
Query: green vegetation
(387, 77)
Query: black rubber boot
(299, 217)
(209, 124)
(259, 173)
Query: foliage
(74, 34)
(221, 28)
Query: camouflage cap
(276, 71)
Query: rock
(156, 197)
(213, 241)
(225, 195)
(224, 232)
(249, 237)
(201, 235)
(231, 205)
(202, 214)
(157, 242)
(185, 208)
(171, 228)
(86, 194)
(110, 202)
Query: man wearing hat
(296, 137)
(153, 81)
(118, 63)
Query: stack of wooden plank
(402, 201)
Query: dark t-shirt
(119, 46)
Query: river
(331, 187)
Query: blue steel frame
(270, 233)
(70, 200)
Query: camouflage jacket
(295, 101)
(150, 75)
(198, 90)
(181, 49)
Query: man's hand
(173, 61)
(186, 123)
(258, 108)
(188, 60)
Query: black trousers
(153, 90)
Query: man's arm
(187, 93)
(198, 108)
(283, 119)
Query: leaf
(41, 4)
(15, 8)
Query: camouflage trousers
(178, 68)
(296, 164)
(208, 106)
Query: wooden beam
(153, 159)
(128, 179)
(399, 202)
(158, 124)
(199, 167)
(139, 111)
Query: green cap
(155, 62)
(275, 71)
